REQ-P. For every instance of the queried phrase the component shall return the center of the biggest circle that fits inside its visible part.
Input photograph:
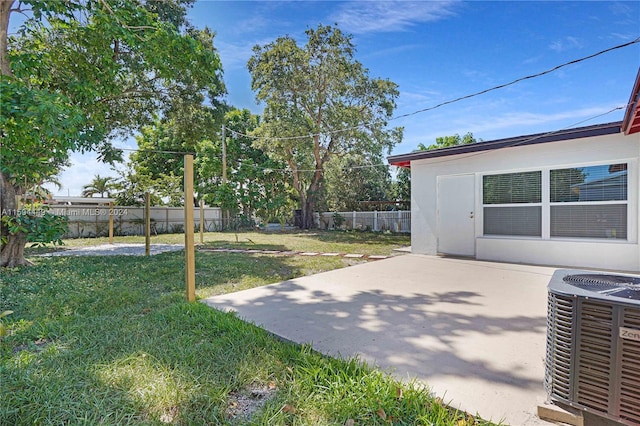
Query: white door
(456, 215)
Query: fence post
(353, 220)
(201, 222)
(189, 248)
(110, 222)
(375, 220)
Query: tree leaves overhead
(80, 72)
(112, 67)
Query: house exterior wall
(594, 253)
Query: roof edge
(404, 160)
(631, 121)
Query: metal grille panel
(594, 355)
(593, 345)
(559, 345)
(630, 369)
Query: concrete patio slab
(473, 331)
(377, 257)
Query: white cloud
(624, 37)
(497, 125)
(393, 50)
(84, 167)
(235, 55)
(527, 122)
(566, 43)
(82, 170)
(388, 16)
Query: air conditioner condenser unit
(593, 343)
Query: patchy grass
(319, 241)
(111, 341)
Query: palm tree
(99, 185)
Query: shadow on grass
(122, 346)
(360, 237)
(246, 245)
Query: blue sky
(437, 51)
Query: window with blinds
(589, 202)
(582, 202)
(512, 204)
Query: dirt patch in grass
(36, 346)
(243, 404)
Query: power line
(461, 98)
(155, 151)
(518, 80)
(514, 144)
(533, 138)
(367, 166)
(451, 101)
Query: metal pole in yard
(224, 170)
(147, 224)
(201, 222)
(189, 249)
(111, 222)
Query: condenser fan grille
(612, 285)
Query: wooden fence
(93, 221)
(394, 221)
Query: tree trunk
(308, 209)
(11, 251)
(5, 12)
(12, 246)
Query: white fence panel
(394, 221)
(93, 221)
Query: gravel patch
(116, 250)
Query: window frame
(508, 205)
(631, 202)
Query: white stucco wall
(600, 254)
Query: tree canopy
(80, 72)
(349, 183)
(319, 102)
(448, 141)
(255, 183)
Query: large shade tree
(319, 102)
(80, 72)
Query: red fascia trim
(405, 164)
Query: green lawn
(111, 341)
(320, 241)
